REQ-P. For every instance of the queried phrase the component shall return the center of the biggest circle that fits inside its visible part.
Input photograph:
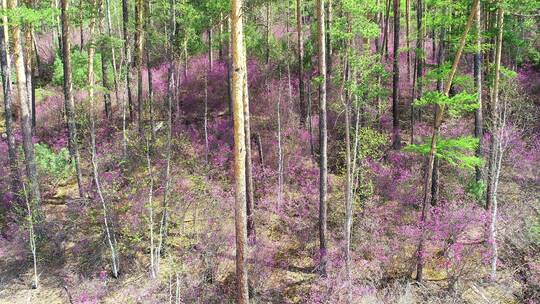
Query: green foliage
(457, 105)
(79, 64)
(56, 165)
(476, 189)
(23, 15)
(452, 150)
(371, 143)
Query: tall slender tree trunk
(419, 59)
(300, 61)
(163, 228)
(478, 119)
(26, 121)
(384, 50)
(111, 239)
(435, 175)
(250, 190)
(148, 24)
(329, 51)
(68, 95)
(396, 140)
(139, 10)
(436, 129)
(5, 70)
(267, 55)
(407, 36)
(238, 79)
(125, 23)
(81, 25)
(29, 66)
(345, 96)
(113, 51)
(495, 154)
(210, 53)
(105, 74)
(323, 170)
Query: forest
(270, 151)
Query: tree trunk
(250, 199)
(495, 155)
(68, 95)
(267, 55)
(29, 66)
(105, 76)
(111, 239)
(125, 21)
(396, 140)
(478, 120)
(419, 58)
(139, 24)
(210, 54)
(436, 162)
(407, 36)
(26, 122)
(238, 79)
(436, 128)
(328, 39)
(148, 24)
(300, 61)
(323, 170)
(384, 49)
(5, 69)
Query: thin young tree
(139, 41)
(478, 117)
(300, 42)
(419, 60)
(26, 120)
(396, 138)
(69, 103)
(125, 24)
(29, 64)
(323, 162)
(433, 149)
(111, 238)
(5, 70)
(163, 225)
(250, 189)
(31, 235)
(105, 74)
(407, 35)
(495, 154)
(238, 80)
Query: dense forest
(270, 151)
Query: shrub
(56, 165)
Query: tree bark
(238, 79)
(436, 128)
(29, 66)
(250, 198)
(139, 24)
(26, 122)
(396, 140)
(111, 239)
(407, 36)
(105, 76)
(495, 155)
(125, 21)
(300, 62)
(323, 170)
(68, 95)
(478, 119)
(5, 69)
